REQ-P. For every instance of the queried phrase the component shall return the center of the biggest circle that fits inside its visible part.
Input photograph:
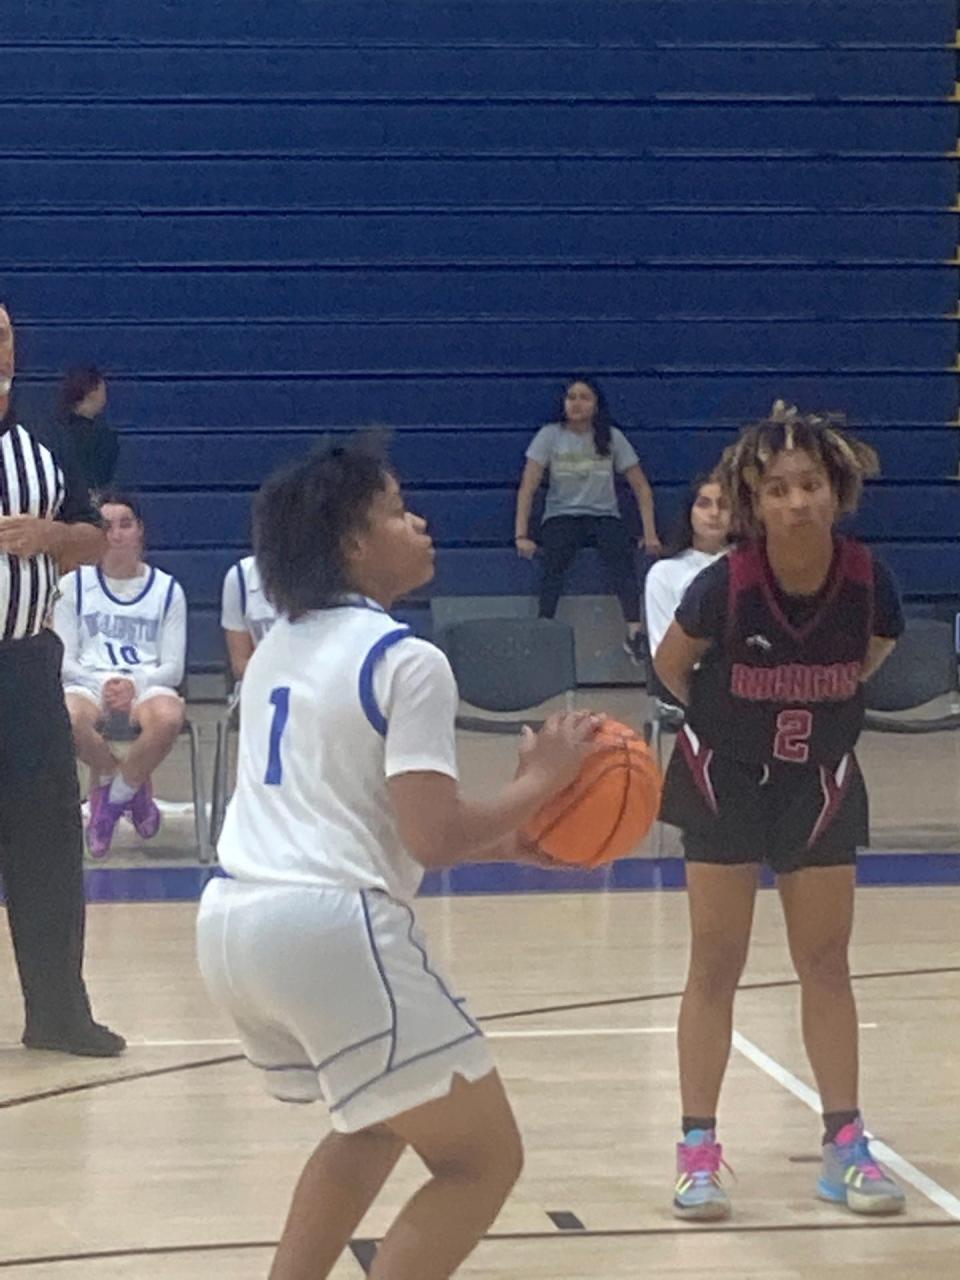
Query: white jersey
(140, 633)
(666, 583)
(244, 606)
(331, 706)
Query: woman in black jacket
(83, 398)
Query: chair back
(922, 667)
(510, 664)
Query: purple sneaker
(144, 813)
(104, 817)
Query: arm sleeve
(67, 626)
(231, 605)
(624, 454)
(702, 613)
(660, 599)
(888, 621)
(541, 446)
(417, 693)
(172, 649)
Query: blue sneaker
(851, 1176)
(699, 1195)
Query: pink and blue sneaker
(699, 1195)
(851, 1176)
(144, 813)
(104, 817)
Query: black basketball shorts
(789, 816)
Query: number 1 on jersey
(280, 701)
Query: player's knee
(493, 1161)
(166, 718)
(824, 965)
(716, 965)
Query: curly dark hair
(846, 460)
(301, 517)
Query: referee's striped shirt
(39, 476)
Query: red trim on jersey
(698, 761)
(834, 784)
(750, 567)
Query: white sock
(121, 791)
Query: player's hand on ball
(557, 751)
(532, 855)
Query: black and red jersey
(782, 680)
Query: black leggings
(561, 537)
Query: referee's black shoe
(89, 1040)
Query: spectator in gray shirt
(580, 453)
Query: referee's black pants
(41, 838)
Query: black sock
(834, 1121)
(698, 1122)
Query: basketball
(608, 810)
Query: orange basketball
(608, 810)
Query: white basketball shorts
(334, 996)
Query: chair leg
(220, 779)
(199, 795)
(216, 793)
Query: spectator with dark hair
(702, 533)
(580, 453)
(83, 398)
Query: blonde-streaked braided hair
(846, 460)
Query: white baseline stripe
(555, 1033)
(936, 1194)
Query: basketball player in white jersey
(123, 625)
(346, 791)
(246, 615)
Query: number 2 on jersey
(280, 701)
(793, 732)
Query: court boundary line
(909, 1173)
(239, 1246)
(128, 1077)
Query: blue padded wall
(268, 222)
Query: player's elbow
(430, 853)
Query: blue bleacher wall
(270, 221)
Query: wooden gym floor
(172, 1164)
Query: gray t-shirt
(581, 481)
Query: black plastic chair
(120, 728)
(921, 668)
(510, 664)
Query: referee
(47, 526)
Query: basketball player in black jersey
(768, 652)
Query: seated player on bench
(246, 615)
(123, 627)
